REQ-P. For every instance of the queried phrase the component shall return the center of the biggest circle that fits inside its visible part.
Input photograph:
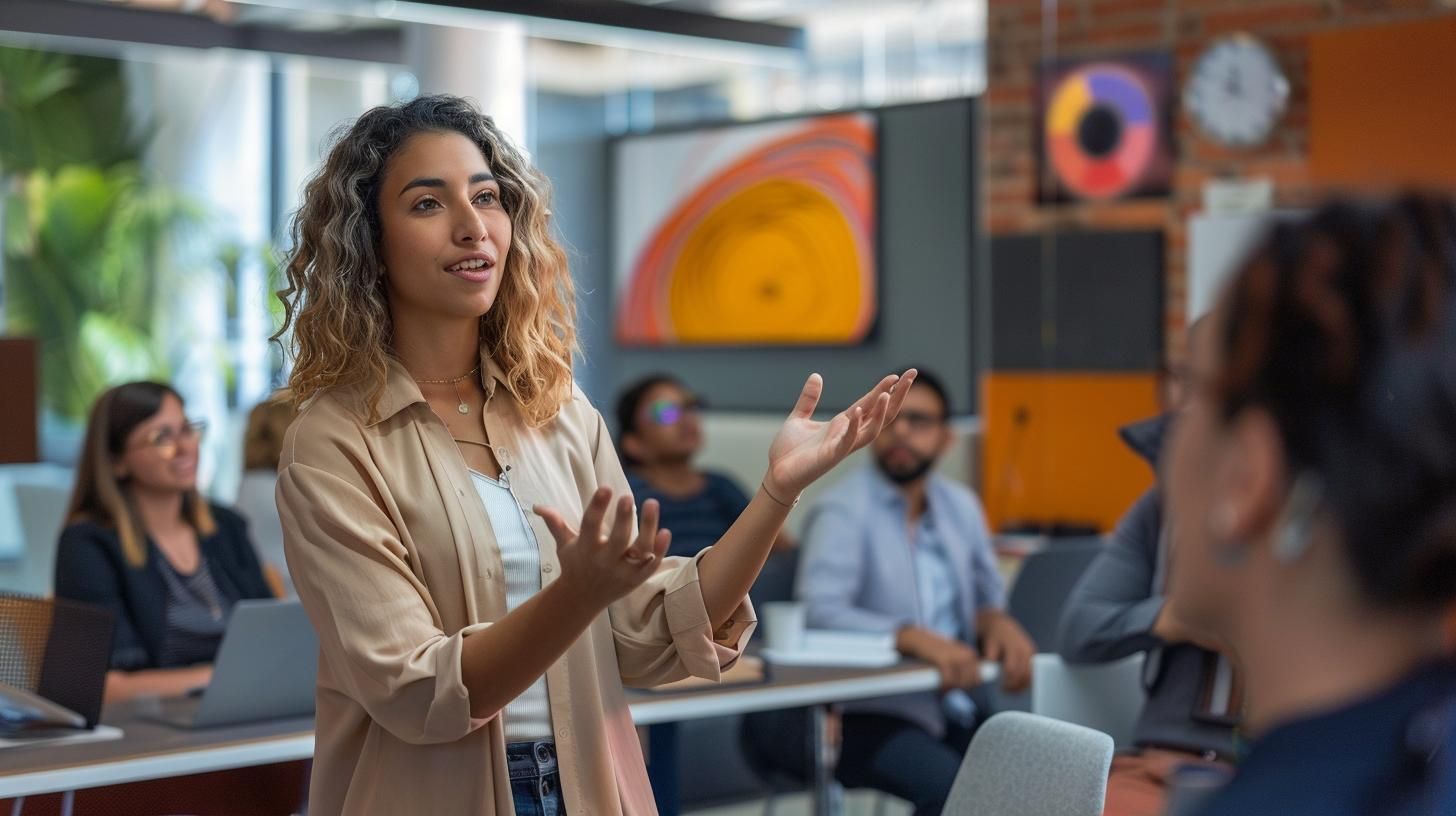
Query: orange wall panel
(1065, 462)
(1381, 102)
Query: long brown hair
(336, 300)
(98, 496)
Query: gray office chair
(1042, 585)
(1020, 764)
(1108, 697)
(1036, 599)
(42, 515)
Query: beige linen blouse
(394, 559)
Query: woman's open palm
(806, 449)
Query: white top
(528, 717)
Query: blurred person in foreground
(1118, 608)
(1312, 487)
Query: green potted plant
(86, 236)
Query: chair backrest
(58, 649)
(42, 515)
(1021, 764)
(1108, 697)
(1042, 585)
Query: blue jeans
(662, 767)
(535, 779)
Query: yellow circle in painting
(1072, 99)
(774, 262)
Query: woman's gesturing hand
(806, 449)
(602, 566)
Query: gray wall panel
(1081, 301)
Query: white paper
(100, 733)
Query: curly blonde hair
(336, 301)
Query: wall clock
(1237, 92)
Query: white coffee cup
(783, 625)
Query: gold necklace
(455, 381)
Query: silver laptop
(266, 669)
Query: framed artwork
(747, 235)
(1105, 128)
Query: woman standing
(455, 518)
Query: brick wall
(1019, 34)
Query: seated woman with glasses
(661, 434)
(142, 542)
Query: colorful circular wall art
(1102, 125)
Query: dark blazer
(1110, 614)
(90, 567)
(1390, 754)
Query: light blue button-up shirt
(861, 571)
(939, 607)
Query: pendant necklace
(455, 381)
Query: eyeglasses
(166, 441)
(918, 421)
(668, 412)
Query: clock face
(1237, 92)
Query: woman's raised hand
(806, 449)
(602, 566)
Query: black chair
(777, 747)
(776, 744)
(777, 578)
(1045, 580)
(58, 649)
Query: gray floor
(856, 803)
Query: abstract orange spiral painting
(776, 246)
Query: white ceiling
(571, 58)
(838, 33)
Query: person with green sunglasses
(661, 435)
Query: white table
(153, 751)
(795, 687)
